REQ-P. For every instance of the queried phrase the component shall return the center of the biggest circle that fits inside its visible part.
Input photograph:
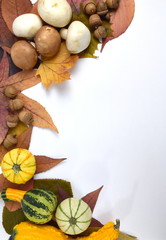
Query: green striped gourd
(73, 216)
(37, 204)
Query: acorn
(12, 120)
(16, 104)
(89, 7)
(100, 32)
(25, 117)
(102, 9)
(10, 141)
(10, 92)
(112, 4)
(95, 21)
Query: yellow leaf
(56, 69)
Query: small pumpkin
(27, 230)
(18, 165)
(73, 216)
(38, 204)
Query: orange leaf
(56, 69)
(34, 9)
(121, 19)
(44, 163)
(3, 151)
(13, 8)
(22, 80)
(40, 116)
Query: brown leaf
(34, 9)
(4, 68)
(124, 236)
(44, 163)
(3, 151)
(6, 37)
(21, 80)
(62, 195)
(95, 223)
(25, 138)
(121, 19)
(3, 115)
(40, 115)
(11, 205)
(13, 8)
(91, 198)
(56, 69)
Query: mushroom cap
(78, 37)
(26, 25)
(57, 13)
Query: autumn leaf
(34, 9)
(56, 69)
(121, 19)
(41, 118)
(21, 80)
(13, 8)
(62, 195)
(124, 236)
(25, 138)
(91, 198)
(6, 37)
(95, 223)
(44, 163)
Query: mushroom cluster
(42, 34)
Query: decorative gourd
(27, 231)
(18, 165)
(73, 216)
(37, 204)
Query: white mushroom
(77, 37)
(57, 13)
(26, 25)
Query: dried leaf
(21, 80)
(40, 115)
(56, 69)
(13, 8)
(52, 185)
(44, 163)
(121, 19)
(91, 198)
(6, 37)
(95, 223)
(75, 5)
(3, 115)
(15, 218)
(3, 151)
(25, 138)
(124, 236)
(34, 9)
(4, 68)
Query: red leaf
(121, 19)
(25, 138)
(95, 223)
(75, 5)
(34, 9)
(44, 163)
(91, 198)
(6, 37)
(62, 195)
(3, 151)
(13, 8)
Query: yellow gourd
(27, 230)
(18, 165)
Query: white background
(111, 118)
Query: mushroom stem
(63, 33)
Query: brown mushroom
(24, 55)
(47, 41)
